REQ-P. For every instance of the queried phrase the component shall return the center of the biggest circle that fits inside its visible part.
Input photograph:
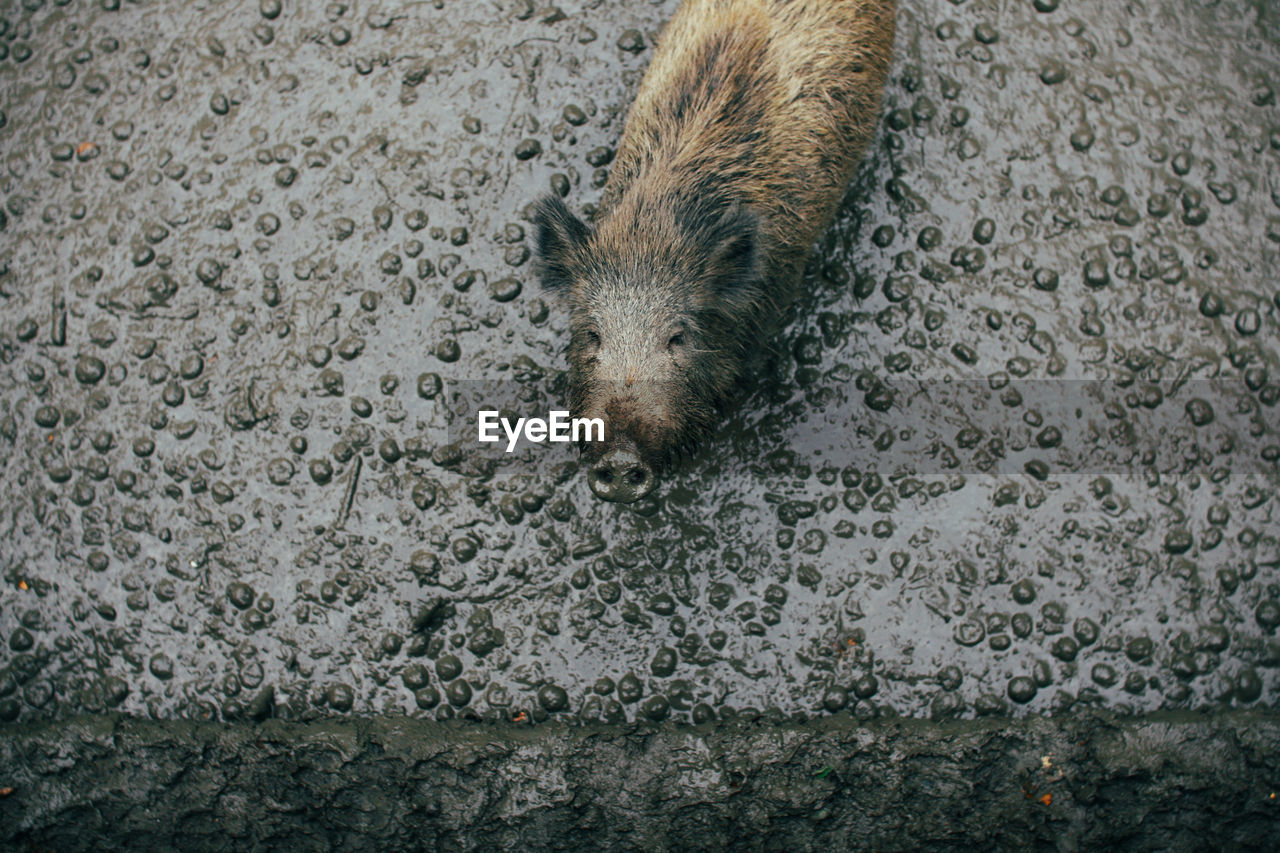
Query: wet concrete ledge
(1167, 781)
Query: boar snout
(621, 475)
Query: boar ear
(560, 238)
(733, 245)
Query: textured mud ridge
(1167, 782)
(1016, 452)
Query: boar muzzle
(621, 475)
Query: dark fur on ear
(560, 237)
(729, 238)
(737, 249)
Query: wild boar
(741, 141)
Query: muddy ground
(1014, 453)
(1175, 782)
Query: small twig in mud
(350, 498)
(324, 534)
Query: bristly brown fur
(740, 143)
(768, 103)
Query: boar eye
(593, 339)
(677, 340)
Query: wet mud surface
(1174, 781)
(1015, 451)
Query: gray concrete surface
(1016, 450)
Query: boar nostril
(621, 475)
